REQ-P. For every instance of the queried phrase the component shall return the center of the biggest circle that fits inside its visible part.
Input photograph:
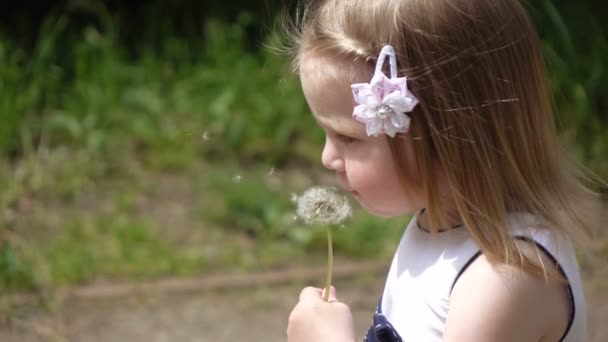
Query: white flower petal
(364, 113)
(400, 121)
(380, 86)
(363, 95)
(400, 103)
(374, 126)
(389, 129)
(396, 101)
(412, 101)
(399, 84)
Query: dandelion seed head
(322, 206)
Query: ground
(243, 310)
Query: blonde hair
(485, 115)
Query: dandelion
(323, 206)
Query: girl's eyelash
(345, 139)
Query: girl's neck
(451, 222)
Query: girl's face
(363, 164)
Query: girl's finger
(332, 294)
(310, 293)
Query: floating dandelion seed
(323, 206)
(206, 136)
(237, 179)
(9, 215)
(271, 172)
(294, 198)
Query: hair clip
(383, 102)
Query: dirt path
(254, 314)
(258, 314)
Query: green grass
(121, 231)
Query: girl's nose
(331, 158)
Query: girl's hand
(315, 320)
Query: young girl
(441, 108)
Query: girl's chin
(380, 211)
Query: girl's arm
(499, 303)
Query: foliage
(96, 95)
(88, 88)
(575, 45)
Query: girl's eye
(346, 139)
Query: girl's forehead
(327, 87)
(334, 68)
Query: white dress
(416, 299)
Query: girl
(441, 108)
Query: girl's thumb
(332, 294)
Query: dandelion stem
(330, 259)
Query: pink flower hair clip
(383, 102)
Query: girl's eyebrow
(343, 130)
(347, 132)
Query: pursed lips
(344, 185)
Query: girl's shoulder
(504, 303)
(499, 302)
(443, 283)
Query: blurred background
(149, 151)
